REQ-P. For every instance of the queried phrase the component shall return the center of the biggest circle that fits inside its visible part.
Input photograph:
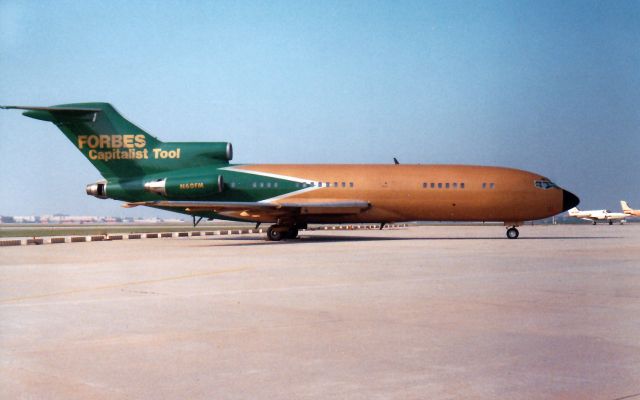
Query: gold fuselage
(398, 193)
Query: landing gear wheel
(610, 222)
(512, 233)
(274, 234)
(291, 233)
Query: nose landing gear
(513, 233)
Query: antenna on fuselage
(395, 161)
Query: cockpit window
(545, 184)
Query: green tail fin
(121, 150)
(115, 146)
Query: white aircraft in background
(628, 210)
(595, 215)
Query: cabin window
(433, 185)
(233, 184)
(327, 184)
(455, 185)
(492, 185)
(484, 185)
(261, 184)
(350, 184)
(319, 184)
(275, 184)
(544, 184)
(424, 185)
(439, 185)
(344, 184)
(269, 184)
(335, 184)
(461, 185)
(254, 184)
(446, 185)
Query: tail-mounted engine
(98, 189)
(187, 187)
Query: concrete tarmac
(437, 312)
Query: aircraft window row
(489, 185)
(262, 185)
(545, 184)
(324, 184)
(269, 185)
(441, 185)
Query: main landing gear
(512, 233)
(276, 233)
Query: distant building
(26, 219)
(81, 219)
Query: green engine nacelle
(189, 187)
(196, 184)
(126, 190)
(193, 154)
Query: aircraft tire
(274, 235)
(610, 222)
(512, 233)
(291, 233)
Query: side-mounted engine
(192, 187)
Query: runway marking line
(121, 285)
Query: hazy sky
(551, 87)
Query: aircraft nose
(569, 200)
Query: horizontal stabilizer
(57, 113)
(53, 109)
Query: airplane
(595, 215)
(628, 210)
(196, 178)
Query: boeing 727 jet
(197, 179)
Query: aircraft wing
(284, 208)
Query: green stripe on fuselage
(238, 185)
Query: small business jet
(597, 215)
